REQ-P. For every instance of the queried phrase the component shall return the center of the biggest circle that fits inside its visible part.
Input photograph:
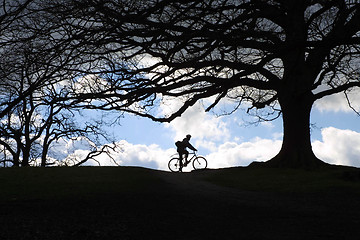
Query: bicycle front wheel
(174, 164)
(199, 163)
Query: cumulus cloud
(231, 154)
(228, 154)
(205, 128)
(152, 156)
(338, 103)
(149, 156)
(340, 147)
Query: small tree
(38, 59)
(30, 129)
(266, 53)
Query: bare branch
(350, 105)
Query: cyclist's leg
(180, 159)
(186, 153)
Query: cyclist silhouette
(181, 149)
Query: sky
(229, 141)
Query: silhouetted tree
(30, 129)
(277, 55)
(37, 75)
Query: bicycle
(198, 162)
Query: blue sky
(227, 141)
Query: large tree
(266, 53)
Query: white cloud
(267, 124)
(228, 154)
(341, 147)
(338, 103)
(151, 156)
(204, 127)
(232, 154)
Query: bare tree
(31, 128)
(277, 55)
(38, 62)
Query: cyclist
(181, 149)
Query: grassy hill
(139, 203)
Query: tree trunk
(16, 161)
(26, 158)
(296, 150)
(44, 153)
(16, 155)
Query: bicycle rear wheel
(174, 164)
(199, 163)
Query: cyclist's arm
(188, 145)
(191, 147)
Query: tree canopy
(279, 55)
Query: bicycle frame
(192, 154)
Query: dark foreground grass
(138, 203)
(19, 184)
(76, 203)
(296, 181)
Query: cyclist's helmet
(188, 136)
